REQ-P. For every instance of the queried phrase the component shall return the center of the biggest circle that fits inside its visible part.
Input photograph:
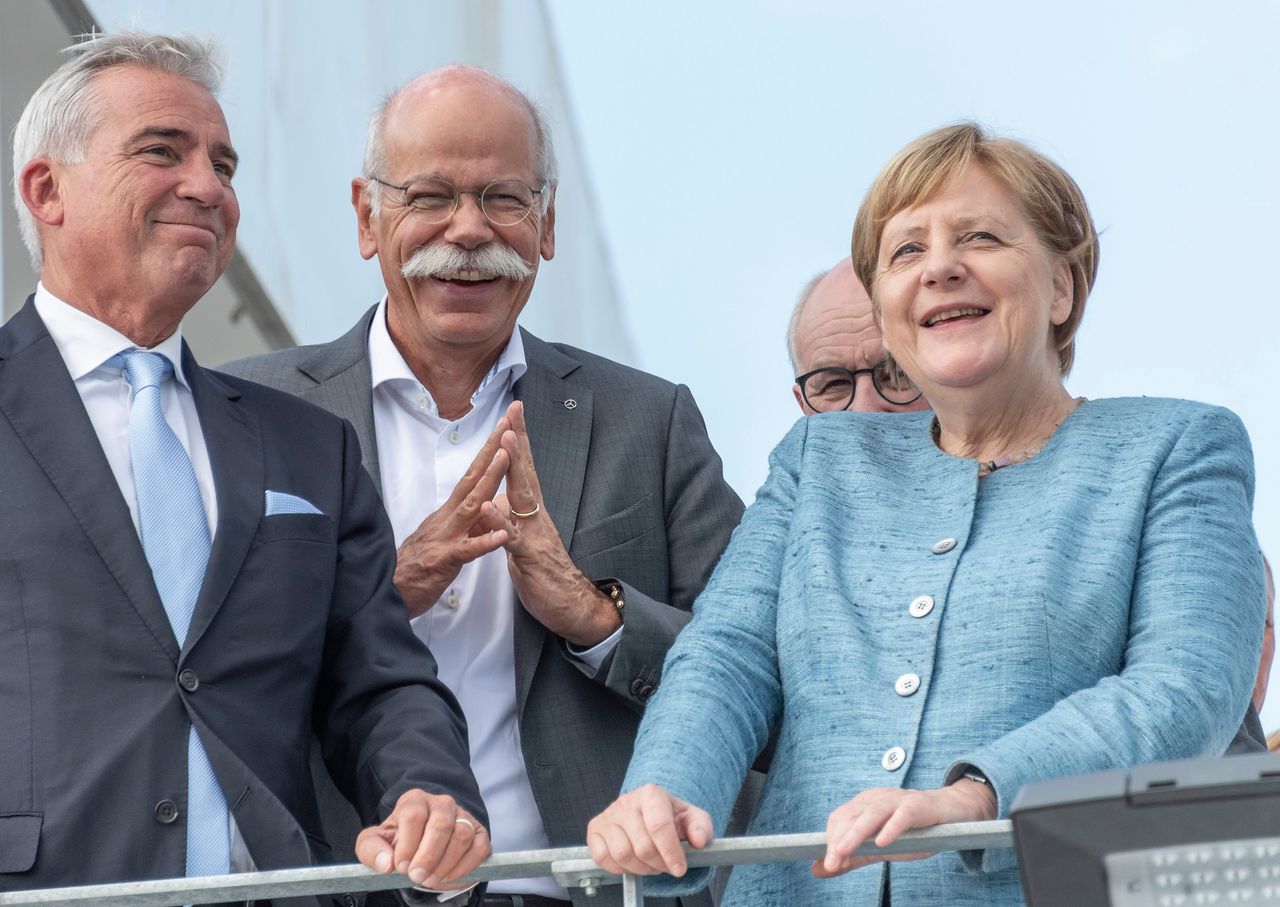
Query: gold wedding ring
(467, 822)
(525, 516)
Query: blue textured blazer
(1098, 605)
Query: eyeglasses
(503, 202)
(831, 389)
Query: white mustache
(445, 258)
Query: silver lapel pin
(570, 403)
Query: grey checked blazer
(632, 482)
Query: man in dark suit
(551, 606)
(195, 574)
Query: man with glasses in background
(550, 603)
(834, 343)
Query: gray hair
(794, 324)
(375, 149)
(63, 113)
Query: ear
(795, 392)
(41, 188)
(365, 234)
(547, 246)
(1063, 293)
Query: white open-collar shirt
(471, 629)
(86, 344)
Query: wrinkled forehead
(837, 329)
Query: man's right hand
(429, 559)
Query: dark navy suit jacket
(297, 629)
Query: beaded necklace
(987, 467)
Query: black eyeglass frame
(478, 193)
(853, 386)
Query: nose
(468, 227)
(202, 184)
(943, 269)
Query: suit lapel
(558, 417)
(236, 459)
(344, 386)
(40, 401)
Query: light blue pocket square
(280, 503)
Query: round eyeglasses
(831, 389)
(503, 202)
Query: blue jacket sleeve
(721, 693)
(1195, 630)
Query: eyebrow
(962, 223)
(220, 149)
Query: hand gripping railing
(572, 867)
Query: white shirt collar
(87, 343)
(386, 365)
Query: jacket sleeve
(722, 693)
(1195, 629)
(701, 512)
(385, 721)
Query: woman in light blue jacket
(934, 610)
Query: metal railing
(572, 867)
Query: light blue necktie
(175, 538)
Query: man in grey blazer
(550, 604)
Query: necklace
(987, 467)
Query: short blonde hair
(1049, 196)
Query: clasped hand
(429, 838)
(476, 520)
(641, 832)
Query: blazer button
(920, 606)
(645, 692)
(349, 901)
(942, 546)
(189, 681)
(166, 812)
(636, 686)
(907, 684)
(893, 759)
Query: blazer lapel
(558, 418)
(40, 401)
(239, 478)
(344, 386)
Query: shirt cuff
(594, 657)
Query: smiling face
(141, 228)
(968, 294)
(469, 131)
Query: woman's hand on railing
(641, 832)
(429, 838)
(886, 812)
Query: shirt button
(166, 812)
(452, 600)
(422, 403)
(893, 759)
(189, 681)
(942, 546)
(907, 684)
(920, 606)
(455, 436)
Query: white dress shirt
(471, 629)
(86, 344)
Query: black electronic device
(1169, 834)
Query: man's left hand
(550, 587)
(429, 838)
